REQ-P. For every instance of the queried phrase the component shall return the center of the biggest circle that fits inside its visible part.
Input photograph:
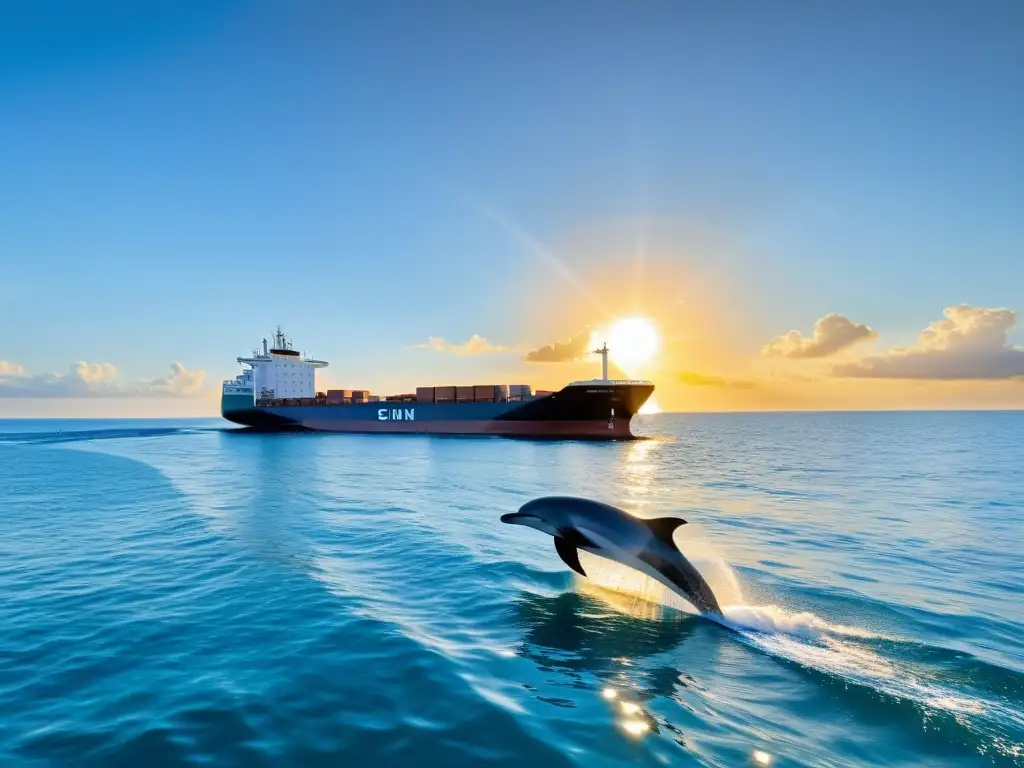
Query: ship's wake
(853, 655)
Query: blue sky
(178, 177)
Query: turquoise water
(181, 593)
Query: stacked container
(444, 394)
(490, 393)
(519, 391)
(424, 394)
(464, 394)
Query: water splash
(608, 578)
(777, 620)
(845, 652)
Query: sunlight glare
(651, 406)
(632, 341)
(635, 727)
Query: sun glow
(632, 341)
(651, 406)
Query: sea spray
(776, 619)
(801, 637)
(613, 577)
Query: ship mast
(603, 352)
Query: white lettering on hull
(396, 414)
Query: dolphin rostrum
(607, 531)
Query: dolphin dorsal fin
(569, 554)
(664, 527)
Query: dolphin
(611, 533)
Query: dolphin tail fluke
(569, 554)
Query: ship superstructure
(278, 392)
(275, 372)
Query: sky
(816, 206)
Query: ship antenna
(603, 352)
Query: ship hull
(583, 411)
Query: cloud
(95, 380)
(561, 351)
(971, 343)
(182, 382)
(10, 369)
(475, 345)
(693, 379)
(832, 333)
(93, 373)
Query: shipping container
(490, 393)
(424, 394)
(464, 394)
(444, 394)
(544, 392)
(519, 390)
(374, 398)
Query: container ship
(277, 392)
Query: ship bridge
(277, 371)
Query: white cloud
(832, 333)
(475, 345)
(182, 381)
(95, 380)
(971, 343)
(10, 369)
(94, 373)
(566, 351)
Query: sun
(632, 341)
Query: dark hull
(590, 411)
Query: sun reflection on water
(635, 727)
(638, 471)
(636, 721)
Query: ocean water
(182, 593)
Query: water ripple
(179, 593)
